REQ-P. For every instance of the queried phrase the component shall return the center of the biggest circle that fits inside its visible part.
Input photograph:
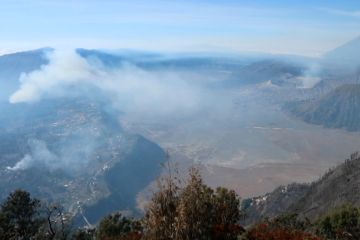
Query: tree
(341, 223)
(192, 211)
(227, 214)
(195, 211)
(283, 227)
(117, 227)
(290, 221)
(83, 234)
(267, 231)
(160, 215)
(57, 223)
(20, 218)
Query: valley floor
(253, 146)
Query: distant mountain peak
(347, 54)
(339, 108)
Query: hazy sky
(304, 27)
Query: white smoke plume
(311, 76)
(130, 88)
(40, 154)
(65, 68)
(68, 157)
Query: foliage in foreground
(194, 211)
(179, 210)
(283, 227)
(341, 223)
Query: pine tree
(20, 217)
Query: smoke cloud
(64, 68)
(129, 87)
(126, 87)
(311, 76)
(69, 156)
(39, 155)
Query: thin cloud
(341, 12)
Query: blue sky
(304, 27)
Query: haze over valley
(260, 99)
(79, 117)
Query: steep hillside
(338, 109)
(74, 151)
(274, 203)
(338, 186)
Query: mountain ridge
(338, 186)
(340, 108)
